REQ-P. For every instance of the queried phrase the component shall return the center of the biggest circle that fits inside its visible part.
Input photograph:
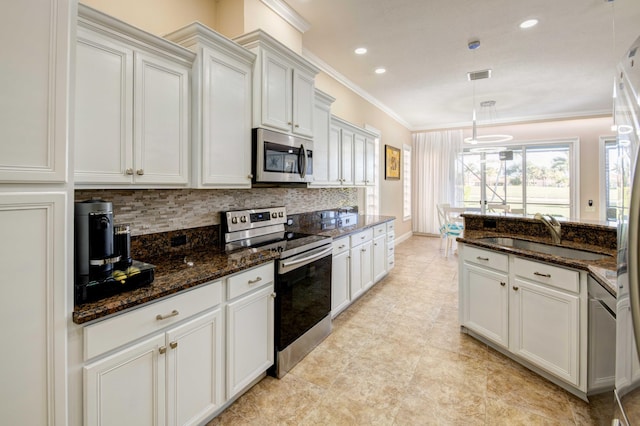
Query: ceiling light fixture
(380, 71)
(528, 23)
(360, 50)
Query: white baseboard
(403, 237)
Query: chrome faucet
(552, 224)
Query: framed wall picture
(392, 163)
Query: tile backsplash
(160, 210)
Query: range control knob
(243, 219)
(280, 214)
(274, 215)
(234, 220)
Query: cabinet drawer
(340, 245)
(390, 250)
(113, 332)
(544, 273)
(391, 226)
(486, 258)
(361, 237)
(252, 279)
(379, 230)
(391, 260)
(391, 236)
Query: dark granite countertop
(364, 222)
(603, 271)
(173, 274)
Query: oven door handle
(286, 266)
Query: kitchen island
(538, 301)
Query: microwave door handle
(303, 172)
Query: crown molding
(328, 69)
(288, 14)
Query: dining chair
(499, 208)
(449, 227)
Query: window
(406, 181)
(536, 177)
(611, 180)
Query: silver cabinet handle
(173, 345)
(363, 250)
(128, 172)
(258, 279)
(542, 275)
(502, 283)
(173, 313)
(341, 247)
(289, 123)
(486, 259)
(296, 126)
(139, 172)
(515, 288)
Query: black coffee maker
(95, 256)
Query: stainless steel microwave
(281, 158)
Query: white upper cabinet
(321, 139)
(132, 106)
(35, 92)
(283, 86)
(221, 137)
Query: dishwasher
(602, 338)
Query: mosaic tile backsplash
(161, 210)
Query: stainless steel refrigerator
(627, 114)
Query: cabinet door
(161, 121)
(103, 110)
(370, 162)
(35, 90)
(276, 92)
(32, 307)
(194, 369)
(361, 269)
(340, 283)
(128, 387)
(334, 155)
(321, 132)
(550, 340)
(379, 258)
(484, 302)
(303, 101)
(346, 157)
(359, 147)
(250, 338)
(355, 273)
(225, 157)
(627, 365)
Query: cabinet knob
(139, 172)
(128, 172)
(502, 283)
(250, 176)
(515, 288)
(341, 246)
(273, 295)
(296, 126)
(363, 250)
(173, 345)
(162, 349)
(289, 123)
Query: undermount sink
(566, 252)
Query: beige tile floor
(397, 357)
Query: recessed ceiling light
(380, 70)
(529, 23)
(361, 50)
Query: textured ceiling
(563, 67)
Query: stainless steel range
(303, 279)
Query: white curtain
(436, 177)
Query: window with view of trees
(528, 179)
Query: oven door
(303, 294)
(282, 158)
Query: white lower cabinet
(340, 297)
(379, 252)
(167, 363)
(249, 338)
(533, 310)
(361, 273)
